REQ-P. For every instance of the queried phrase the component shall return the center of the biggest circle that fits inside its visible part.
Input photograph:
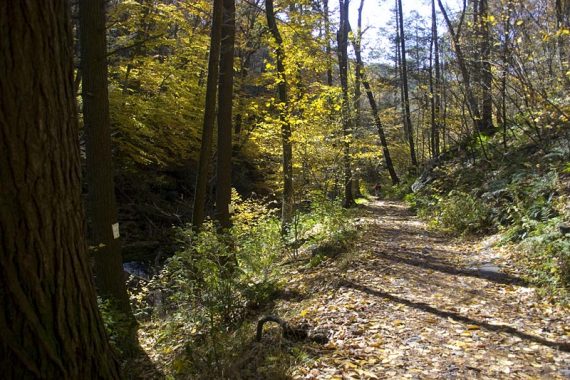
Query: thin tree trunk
(471, 100)
(505, 59)
(50, 325)
(563, 21)
(209, 116)
(225, 99)
(287, 159)
(487, 126)
(404, 68)
(444, 97)
(342, 38)
(328, 42)
(376, 115)
(434, 84)
(398, 68)
(381, 134)
(357, 41)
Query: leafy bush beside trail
(216, 281)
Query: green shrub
(462, 213)
(327, 221)
(547, 255)
(219, 273)
(399, 191)
(425, 206)
(207, 288)
(531, 204)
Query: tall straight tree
(287, 159)
(209, 116)
(50, 327)
(225, 105)
(357, 44)
(398, 68)
(328, 41)
(342, 40)
(563, 21)
(102, 207)
(486, 126)
(357, 40)
(434, 83)
(504, 70)
(404, 82)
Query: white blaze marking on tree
(115, 228)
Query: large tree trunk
(225, 99)
(342, 38)
(209, 116)
(102, 207)
(287, 159)
(49, 323)
(405, 91)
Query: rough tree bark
(287, 159)
(225, 103)
(342, 39)
(209, 116)
(49, 323)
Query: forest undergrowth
(487, 270)
(196, 316)
(402, 301)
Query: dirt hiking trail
(413, 303)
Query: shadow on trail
(427, 263)
(562, 346)
(397, 238)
